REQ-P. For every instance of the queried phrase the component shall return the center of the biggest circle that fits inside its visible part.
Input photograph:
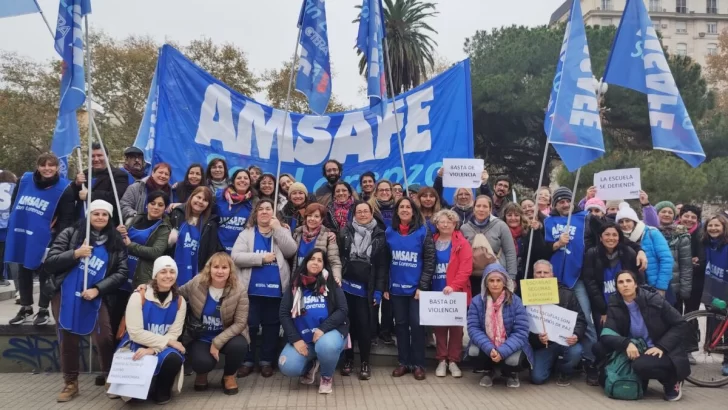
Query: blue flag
(12, 8)
(145, 136)
(572, 122)
(370, 42)
(639, 63)
(69, 45)
(65, 139)
(314, 73)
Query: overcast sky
(266, 29)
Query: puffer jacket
(233, 310)
(147, 253)
(500, 239)
(379, 259)
(678, 239)
(659, 258)
(593, 273)
(515, 320)
(322, 242)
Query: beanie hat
(595, 203)
(297, 186)
(414, 188)
(665, 204)
(163, 262)
(625, 212)
(614, 203)
(561, 193)
(102, 205)
(497, 269)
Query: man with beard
(332, 171)
(500, 194)
(101, 184)
(367, 181)
(134, 164)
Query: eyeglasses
(384, 190)
(398, 190)
(366, 212)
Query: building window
(656, 25)
(682, 49)
(711, 6)
(606, 22)
(712, 49)
(712, 27)
(681, 6)
(655, 5)
(681, 27)
(607, 5)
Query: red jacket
(461, 264)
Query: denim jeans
(591, 332)
(410, 335)
(327, 350)
(565, 358)
(263, 313)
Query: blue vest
(431, 226)
(315, 311)
(232, 220)
(304, 248)
(567, 261)
(439, 279)
(211, 319)
(264, 280)
(406, 265)
(610, 285)
(354, 288)
(129, 176)
(6, 195)
(140, 237)
(29, 228)
(716, 281)
(387, 215)
(186, 253)
(158, 321)
(293, 223)
(78, 315)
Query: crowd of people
(217, 265)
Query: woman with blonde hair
(382, 203)
(520, 226)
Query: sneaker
(365, 373)
(375, 342)
(347, 368)
(42, 318)
(692, 360)
(24, 315)
(592, 375)
(327, 385)
(310, 377)
(455, 370)
(4, 282)
(386, 339)
(673, 392)
(725, 369)
(563, 380)
(441, 369)
(486, 380)
(513, 381)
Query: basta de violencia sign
(618, 184)
(462, 172)
(439, 309)
(540, 291)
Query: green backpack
(621, 382)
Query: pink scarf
(341, 212)
(494, 327)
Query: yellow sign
(540, 291)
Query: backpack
(621, 382)
(483, 254)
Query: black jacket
(379, 258)
(102, 189)
(289, 213)
(330, 218)
(568, 301)
(337, 320)
(60, 262)
(65, 215)
(592, 273)
(209, 242)
(539, 250)
(665, 325)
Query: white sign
(559, 322)
(462, 173)
(129, 377)
(618, 184)
(439, 309)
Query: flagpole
(394, 110)
(282, 134)
(106, 159)
(89, 113)
(536, 211)
(40, 10)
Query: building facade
(688, 27)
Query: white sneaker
(455, 370)
(441, 369)
(310, 377)
(327, 385)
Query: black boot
(365, 373)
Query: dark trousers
(386, 322)
(2, 263)
(475, 284)
(410, 335)
(263, 313)
(164, 380)
(25, 287)
(484, 362)
(360, 326)
(685, 306)
(201, 361)
(118, 308)
(102, 337)
(647, 367)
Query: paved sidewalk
(26, 391)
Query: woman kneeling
(314, 320)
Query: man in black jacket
(101, 185)
(548, 354)
(332, 171)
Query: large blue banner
(199, 118)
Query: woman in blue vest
(715, 262)
(154, 321)
(313, 234)
(216, 175)
(7, 186)
(314, 319)
(146, 238)
(80, 312)
(183, 190)
(261, 252)
(233, 205)
(194, 234)
(411, 268)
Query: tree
(276, 91)
(409, 46)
